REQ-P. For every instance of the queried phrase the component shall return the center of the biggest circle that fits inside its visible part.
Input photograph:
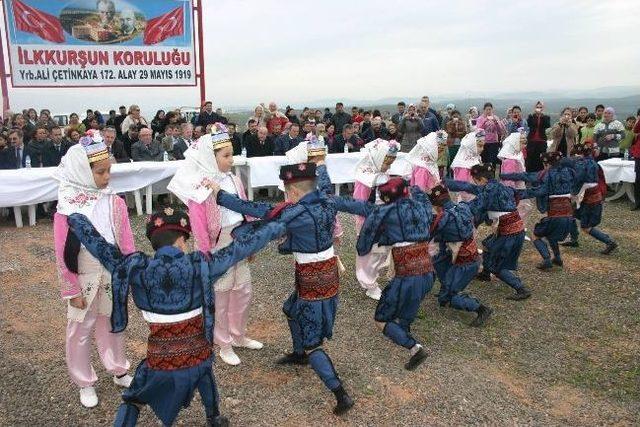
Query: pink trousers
(232, 315)
(78, 348)
(368, 267)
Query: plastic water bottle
(165, 157)
(27, 162)
(346, 148)
(244, 152)
(626, 154)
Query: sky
(294, 52)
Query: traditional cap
(168, 219)
(298, 172)
(316, 146)
(393, 189)
(94, 146)
(551, 157)
(439, 195)
(220, 137)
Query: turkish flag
(32, 20)
(164, 26)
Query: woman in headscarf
(608, 134)
(84, 174)
(468, 156)
(513, 162)
(211, 159)
(371, 172)
(424, 158)
(538, 123)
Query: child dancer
(173, 291)
(424, 158)
(372, 171)
(83, 175)
(211, 158)
(468, 155)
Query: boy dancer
(311, 308)
(173, 290)
(589, 199)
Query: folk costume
(424, 158)
(173, 291)
(311, 308)
(212, 225)
(513, 162)
(457, 261)
(401, 223)
(369, 175)
(81, 275)
(589, 199)
(467, 157)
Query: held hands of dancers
(212, 185)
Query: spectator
(158, 122)
(448, 111)
(365, 124)
(36, 147)
(98, 115)
(330, 138)
(276, 130)
(130, 138)
(32, 117)
(456, 129)
(586, 132)
(430, 122)
(291, 115)
(581, 118)
(599, 113)
(112, 118)
(275, 117)
(73, 136)
(94, 124)
(146, 149)
(538, 123)
(629, 136)
(494, 131)
(46, 120)
(348, 139)
(55, 148)
(171, 118)
(318, 116)
(356, 129)
(340, 118)
(635, 153)
(262, 145)
(516, 121)
(250, 136)
(19, 122)
(183, 141)
(608, 134)
(198, 132)
(207, 116)
(117, 123)
(564, 133)
(355, 115)
(472, 118)
(411, 127)
(15, 155)
(169, 137)
(236, 141)
(375, 131)
(327, 115)
(90, 115)
(304, 116)
(426, 101)
(286, 142)
(117, 153)
(397, 117)
(259, 116)
(321, 130)
(133, 118)
(392, 130)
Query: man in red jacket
(635, 152)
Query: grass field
(567, 356)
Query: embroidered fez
(168, 219)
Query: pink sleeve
(510, 166)
(423, 179)
(69, 285)
(360, 192)
(125, 240)
(462, 174)
(199, 228)
(480, 121)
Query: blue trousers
(454, 279)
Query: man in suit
(36, 147)
(55, 148)
(184, 141)
(130, 138)
(262, 146)
(115, 146)
(146, 149)
(287, 141)
(13, 157)
(236, 140)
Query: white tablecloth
(618, 170)
(36, 185)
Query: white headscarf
(511, 148)
(200, 166)
(467, 156)
(298, 154)
(425, 152)
(77, 191)
(369, 168)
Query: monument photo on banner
(79, 43)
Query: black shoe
(545, 265)
(557, 261)
(522, 293)
(610, 248)
(416, 360)
(570, 244)
(484, 276)
(218, 421)
(636, 208)
(293, 359)
(484, 313)
(344, 402)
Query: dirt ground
(567, 356)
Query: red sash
(592, 196)
(317, 280)
(510, 224)
(412, 260)
(177, 345)
(559, 207)
(468, 252)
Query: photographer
(564, 133)
(411, 128)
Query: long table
(620, 171)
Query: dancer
(467, 156)
(589, 199)
(424, 158)
(457, 261)
(84, 174)
(173, 291)
(371, 172)
(211, 158)
(312, 307)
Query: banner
(82, 43)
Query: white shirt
(101, 219)
(302, 258)
(227, 216)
